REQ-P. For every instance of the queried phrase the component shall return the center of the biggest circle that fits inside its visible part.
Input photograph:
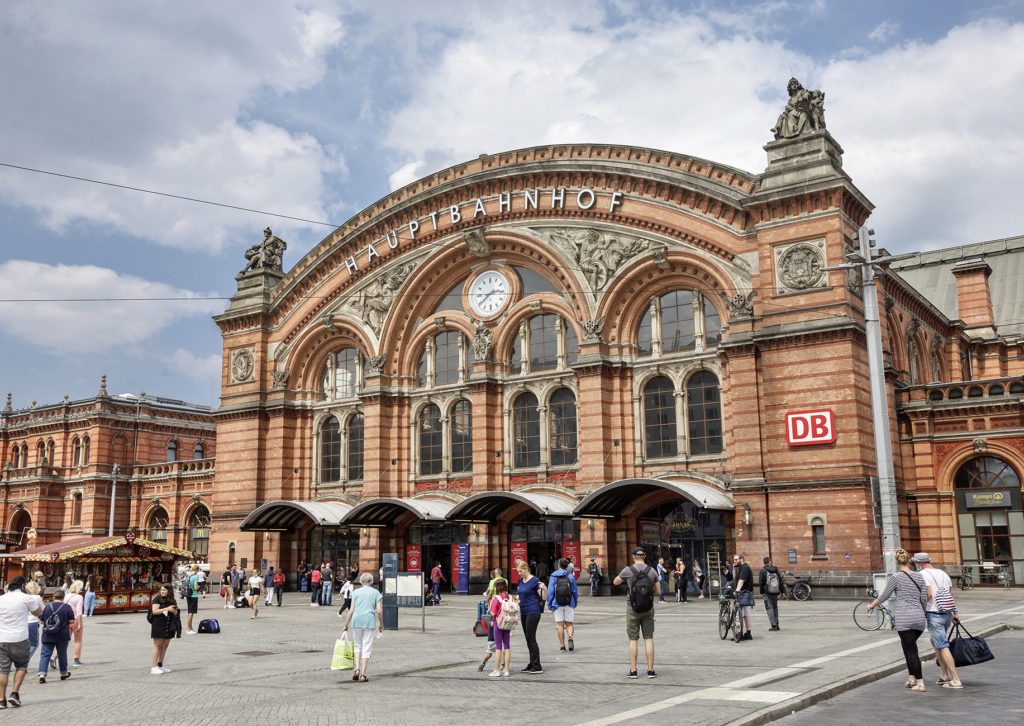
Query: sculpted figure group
(805, 111)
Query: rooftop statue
(804, 112)
(267, 255)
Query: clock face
(488, 293)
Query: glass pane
(515, 364)
(534, 282)
(518, 532)
(526, 431)
(966, 525)
(535, 532)
(677, 326)
(430, 440)
(544, 342)
(643, 337)
(1017, 524)
(999, 519)
(704, 414)
(572, 346)
(562, 428)
(421, 369)
(355, 447)
(982, 519)
(330, 450)
(712, 325)
(1017, 547)
(453, 299)
(446, 360)
(462, 437)
(660, 418)
(969, 549)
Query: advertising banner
(413, 559)
(463, 564)
(571, 551)
(518, 555)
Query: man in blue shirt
(562, 599)
(193, 598)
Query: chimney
(974, 300)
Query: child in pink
(501, 637)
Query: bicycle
(800, 590)
(876, 618)
(729, 618)
(965, 581)
(1005, 576)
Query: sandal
(919, 687)
(941, 681)
(355, 675)
(363, 679)
(910, 683)
(953, 684)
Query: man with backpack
(562, 599)
(770, 585)
(641, 586)
(594, 570)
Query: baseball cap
(922, 557)
(639, 551)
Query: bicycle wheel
(801, 591)
(737, 625)
(866, 620)
(964, 582)
(723, 620)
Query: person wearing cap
(594, 570)
(911, 594)
(640, 615)
(940, 612)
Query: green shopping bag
(344, 654)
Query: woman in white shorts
(366, 611)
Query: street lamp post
(113, 497)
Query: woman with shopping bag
(366, 608)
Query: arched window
(24, 455)
(687, 321)
(442, 361)
(572, 345)
(50, 451)
(562, 428)
(330, 450)
(462, 437)
(76, 449)
(818, 534)
(76, 509)
(552, 344)
(172, 450)
(660, 418)
(986, 472)
(156, 528)
(989, 517)
(199, 531)
(526, 431)
(86, 446)
(995, 390)
(198, 452)
(677, 322)
(355, 448)
(704, 414)
(343, 374)
(430, 442)
(40, 453)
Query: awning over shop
(288, 515)
(487, 507)
(384, 511)
(79, 547)
(611, 499)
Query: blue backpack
(209, 626)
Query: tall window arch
(156, 527)
(990, 516)
(430, 440)
(86, 446)
(355, 448)
(343, 374)
(40, 452)
(76, 509)
(172, 450)
(526, 431)
(660, 418)
(76, 452)
(443, 359)
(678, 322)
(330, 450)
(199, 531)
(704, 413)
(462, 437)
(198, 451)
(550, 343)
(50, 452)
(562, 428)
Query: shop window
(462, 437)
(199, 531)
(355, 448)
(430, 440)
(172, 451)
(562, 428)
(660, 418)
(704, 414)
(343, 374)
(156, 528)
(330, 450)
(818, 534)
(76, 449)
(76, 509)
(198, 452)
(995, 390)
(687, 321)
(526, 431)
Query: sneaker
(480, 668)
(42, 678)
(527, 669)
(571, 645)
(252, 617)
(506, 674)
(156, 671)
(652, 674)
(312, 604)
(65, 676)
(78, 664)
(538, 669)
(747, 636)
(562, 649)
(164, 669)
(190, 632)
(15, 699)
(3, 705)
(632, 674)
(494, 674)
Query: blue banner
(463, 569)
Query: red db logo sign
(810, 427)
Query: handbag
(222, 592)
(745, 598)
(344, 658)
(967, 651)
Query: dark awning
(487, 507)
(385, 511)
(290, 515)
(611, 499)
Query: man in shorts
(15, 607)
(744, 581)
(941, 612)
(193, 598)
(562, 599)
(227, 582)
(640, 616)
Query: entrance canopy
(611, 499)
(283, 516)
(384, 511)
(486, 507)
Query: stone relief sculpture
(374, 301)
(592, 330)
(477, 244)
(280, 379)
(801, 267)
(741, 305)
(267, 255)
(804, 112)
(375, 364)
(243, 365)
(598, 254)
(482, 343)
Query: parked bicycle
(800, 590)
(1005, 576)
(966, 580)
(729, 618)
(876, 618)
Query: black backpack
(641, 590)
(771, 583)
(209, 626)
(563, 591)
(53, 623)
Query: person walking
(255, 591)
(16, 608)
(201, 585)
(366, 608)
(436, 577)
(488, 596)
(165, 624)
(502, 636)
(55, 634)
(314, 587)
(662, 579)
(76, 601)
(227, 585)
(237, 584)
(743, 589)
(531, 592)
(698, 577)
(562, 598)
(594, 570)
(679, 573)
(940, 613)
(911, 599)
(32, 588)
(327, 585)
(90, 595)
(192, 598)
(268, 585)
(642, 585)
(279, 580)
(769, 584)
(346, 597)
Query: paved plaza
(276, 669)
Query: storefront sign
(119, 601)
(413, 559)
(810, 427)
(129, 537)
(650, 531)
(518, 555)
(571, 551)
(101, 601)
(140, 599)
(991, 498)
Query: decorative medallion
(800, 266)
(243, 364)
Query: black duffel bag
(967, 650)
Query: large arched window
(343, 374)
(562, 428)
(355, 448)
(526, 431)
(199, 531)
(156, 527)
(552, 344)
(198, 452)
(40, 453)
(660, 418)
(986, 472)
(687, 321)
(430, 440)
(462, 437)
(330, 450)
(172, 451)
(704, 414)
(443, 360)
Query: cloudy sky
(316, 109)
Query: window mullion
(682, 423)
(656, 340)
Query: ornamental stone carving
(599, 255)
(267, 255)
(592, 330)
(980, 446)
(483, 344)
(660, 254)
(477, 244)
(804, 112)
(243, 364)
(441, 323)
(800, 266)
(375, 364)
(280, 379)
(375, 300)
(741, 305)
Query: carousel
(127, 572)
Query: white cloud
(98, 310)
(163, 97)
(884, 30)
(200, 368)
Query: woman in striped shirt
(911, 599)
